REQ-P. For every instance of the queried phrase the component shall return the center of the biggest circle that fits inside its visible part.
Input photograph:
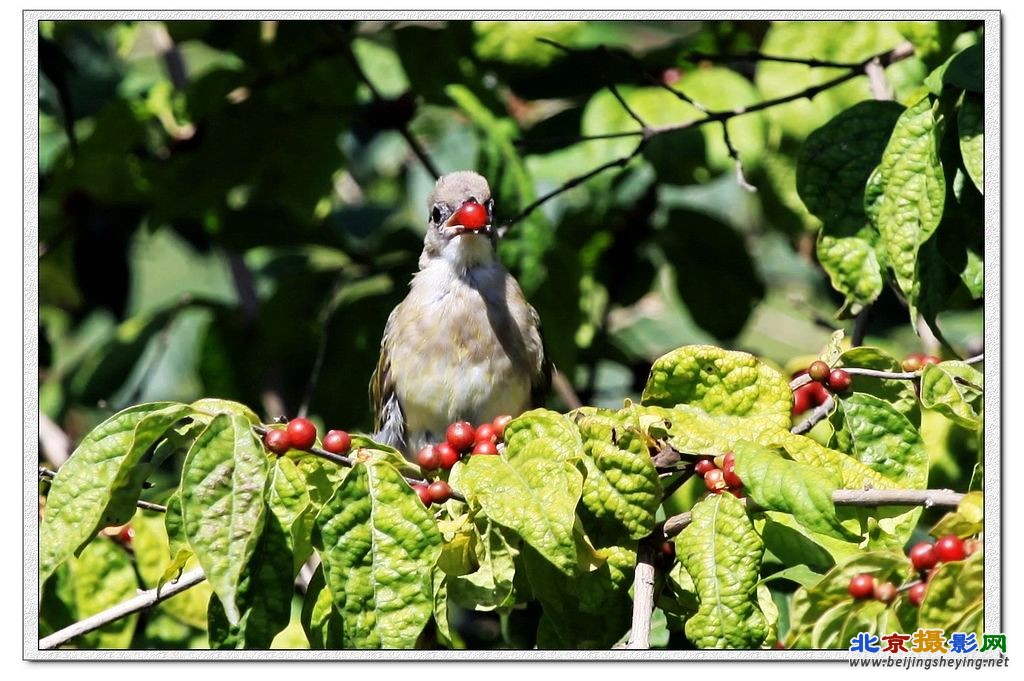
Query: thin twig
(324, 320)
(819, 414)
(144, 600)
(47, 474)
(349, 462)
(927, 498)
(565, 390)
(741, 179)
(53, 441)
(860, 327)
(759, 56)
(646, 133)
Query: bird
(464, 344)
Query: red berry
(714, 480)
(424, 494)
(485, 449)
(337, 442)
(818, 393)
(447, 455)
(732, 479)
(126, 534)
(818, 370)
(862, 586)
(949, 549)
(930, 359)
(461, 436)
(839, 381)
(802, 399)
(923, 557)
(302, 432)
(428, 458)
(440, 491)
(485, 433)
(499, 425)
(277, 440)
(471, 216)
(916, 593)
(886, 592)
(703, 466)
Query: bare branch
(880, 88)
(565, 390)
(741, 179)
(146, 599)
(324, 320)
(759, 56)
(643, 598)
(53, 441)
(819, 414)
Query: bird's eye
(435, 215)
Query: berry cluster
(924, 557)
(916, 360)
(300, 433)
(720, 474)
(461, 438)
(823, 379)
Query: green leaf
(719, 382)
(812, 605)
(379, 546)
(289, 500)
(621, 488)
(320, 619)
(154, 560)
(970, 126)
(533, 487)
(77, 504)
(955, 597)
(955, 390)
(101, 577)
(722, 552)
(212, 406)
(446, 636)
(801, 574)
(964, 70)
(965, 521)
(880, 437)
(779, 484)
(222, 485)
(834, 164)
(915, 188)
(899, 393)
(492, 584)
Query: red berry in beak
(471, 216)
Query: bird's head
(459, 222)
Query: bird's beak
(457, 228)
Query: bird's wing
(540, 379)
(382, 384)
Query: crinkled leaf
(780, 484)
(880, 437)
(955, 390)
(154, 563)
(379, 546)
(531, 489)
(320, 619)
(970, 124)
(561, 437)
(264, 594)
(288, 499)
(834, 165)
(955, 596)
(720, 382)
(621, 487)
(101, 577)
(222, 503)
(915, 189)
(492, 584)
(854, 474)
(843, 621)
(77, 504)
(965, 521)
(212, 406)
(722, 552)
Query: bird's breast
(457, 353)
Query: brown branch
(53, 441)
(324, 320)
(760, 56)
(647, 133)
(820, 413)
(927, 498)
(564, 390)
(741, 179)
